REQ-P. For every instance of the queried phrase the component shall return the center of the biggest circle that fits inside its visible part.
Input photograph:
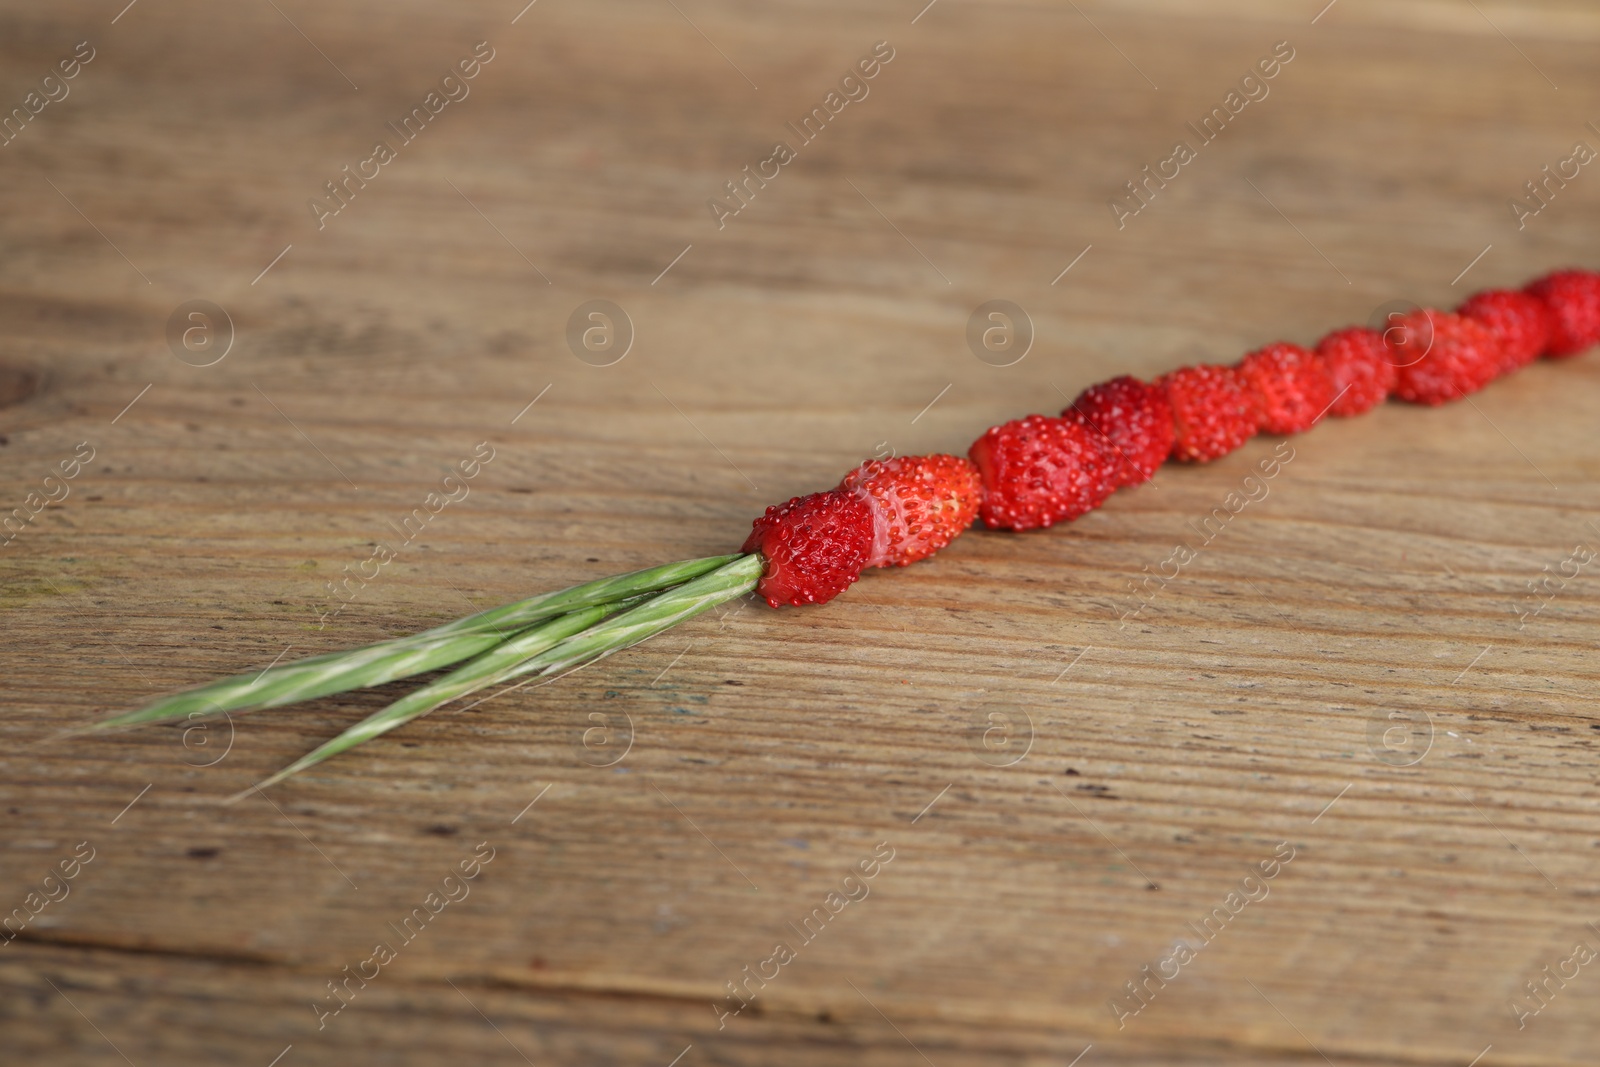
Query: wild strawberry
(1133, 418)
(1291, 385)
(1441, 357)
(919, 504)
(1573, 297)
(1213, 411)
(1360, 368)
(815, 547)
(1520, 324)
(1039, 471)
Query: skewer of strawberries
(1026, 474)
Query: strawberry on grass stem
(1134, 418)
(1573, 297)
(1213, 411)
(919, 504)
(1038, 471)
(1520, 322)
(815, 547)
(1360, 369)
(1441, 357)
(1292, 386)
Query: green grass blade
(475, 675)
(570, 641)
(661, 612)
(388, 661)
(604, 591)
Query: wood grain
(1376, 587)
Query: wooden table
(1342, 675)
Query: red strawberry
(815, 547)
(1520, 324)
(1573, 297)
(1040, 470)
(1291, 385)
(1360, 367)
(1213, 411)
(919, 504)
(1133, 418)
(1441, 357)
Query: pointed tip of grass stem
(66, 734)
(310, 759)
(241, 794)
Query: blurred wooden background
(1343, 672)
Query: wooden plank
(1340, 674)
